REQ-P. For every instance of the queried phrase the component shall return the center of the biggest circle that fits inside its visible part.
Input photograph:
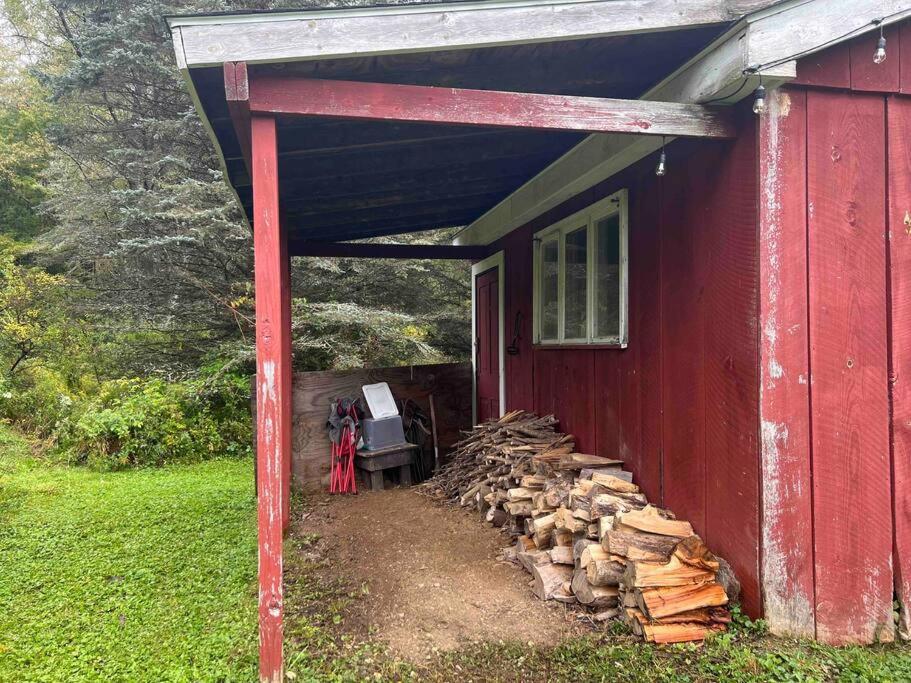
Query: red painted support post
(271, 366)
(285, 391)
(784, 403)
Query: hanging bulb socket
(880, 55)
(759, 103)
(661, 168)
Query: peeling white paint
(787, 610)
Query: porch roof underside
(346, 179)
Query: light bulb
(880, 55)
(661, 169)
(759, 102)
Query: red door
(487, 361)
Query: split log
(614, 470)
(519, 494)
(596, 597)
(561, 554)
(549, 579)
(657, 603)
(604, 572)
(614, 483)
(671, 573)
(639, 546)
(649, 520)
(531, 558)
(519, 508)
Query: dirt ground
(432, 573)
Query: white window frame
(588, 218)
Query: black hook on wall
(513, 348)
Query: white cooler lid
(379, 399)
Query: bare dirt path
(432, 573)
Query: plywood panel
(866, 75)
(728, 192)
(787, 528)
(848, 363)
(682, 346)
(899, 117)
(314, 392)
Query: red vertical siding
(640, 375)
(904, 58)
(848, 365)
(866, 75)
(730, 360)
(787, 510)
(565, 386)
(682, 342)
(692, 320)
(517, 286)
(899, 117)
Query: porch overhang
(344, 175)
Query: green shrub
(143, 422)
(38, 400)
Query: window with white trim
(580, 276)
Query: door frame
(493, 261)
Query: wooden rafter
(393, 102)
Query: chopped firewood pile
(585, 532)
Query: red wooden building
(738, 329)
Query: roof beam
(294, 36)
(237, 96)
(391, 102)
(298, 247)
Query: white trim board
(776, 36)
(210, 40)
(493, 261)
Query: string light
(759, 101)
(661, 168)
(880, 55)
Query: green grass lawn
(150, 575)
(144, 575)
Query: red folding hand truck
(342, 454)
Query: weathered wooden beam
(237, 95)
(210, 41)
(290, 95)
(444, 252)
(272, 448)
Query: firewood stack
(585, 532)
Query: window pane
(549, 285)
(576, 285)
(607, 277)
